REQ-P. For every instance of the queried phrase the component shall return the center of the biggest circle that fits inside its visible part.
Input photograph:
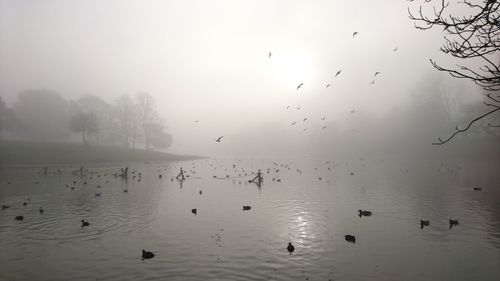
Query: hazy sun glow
(291, 69)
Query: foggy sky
(208, 60)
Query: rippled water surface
(313, 206)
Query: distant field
(23, 153)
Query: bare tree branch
(474, 37)
(458, 131)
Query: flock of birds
(238, 172)
(301, 85)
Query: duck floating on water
(146, 255)
(453, 222)
(350, 238)
(246, 208)
(364, 213)
(19, 218)
(85, 223)
(424, 223)
(290, 247)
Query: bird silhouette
(196, 121)
(354, 34)
(327, 85)
(304, 120)
(293, 123)
(395, 49)
(338, 73)
(377, 73)
(298, 107)
(324, 127)
(372, 82)
(300, 86)
(287, 107)
(147, 255)
(290, 248)
(424, 223)
(350, 238)
(219, 139)
(269, 55)
(323, 118)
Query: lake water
(314, 206)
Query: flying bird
(395, 49)
(373, 82)
(196, 121)
(327, 85)
(338, 73)
(298, 107)
(377, 73)
(219, 139)
(300, 86)
(287, 107)
(293, 123)
(269, 55)
(305, 119)
(354, 34)
(323, 118)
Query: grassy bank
(25, 153)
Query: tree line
(44, 115)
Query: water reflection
(223, 242)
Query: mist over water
(131, 127)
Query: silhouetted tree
(158, 138)
(43, 115)
(103, 114)
(7, 119)
(127, 119)
(84, 123)
(147, 115)
(472, 37)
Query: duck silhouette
(85, 223)
(19, 218)
(146, 255)
(453, 222)
(364, 213)
(350, 238)
(424, 223)
(290, 247)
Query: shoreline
(31, 154)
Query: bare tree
(147, 115)
(126, 113)
(472, 37)
(84, 123)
